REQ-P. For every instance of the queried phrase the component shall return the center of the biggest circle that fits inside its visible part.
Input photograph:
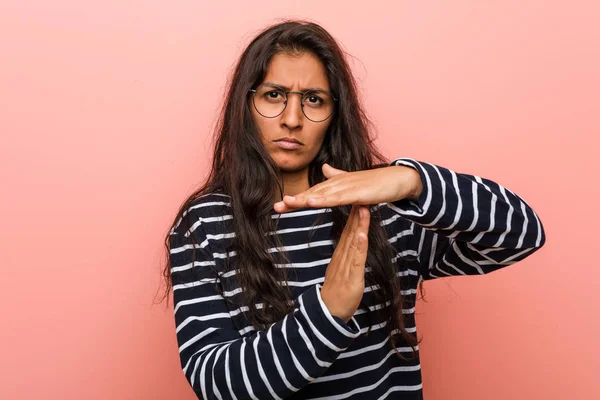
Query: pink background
(105, 112)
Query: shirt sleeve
(466, 225)
(218, 361)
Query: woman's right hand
(344, 283)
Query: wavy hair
(242, 169)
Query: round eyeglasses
(270, 101)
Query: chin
(290, 170)
(291, 167)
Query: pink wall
(104, 115)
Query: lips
(289, 140)
(288, 143)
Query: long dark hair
(252, 179)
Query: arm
(218, 362)
(463, 224)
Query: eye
(273, 95)
(313, 100)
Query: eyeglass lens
(270, 102)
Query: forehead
(297, 72)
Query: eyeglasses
(270, 101)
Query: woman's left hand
(380, 185)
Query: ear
(329, 171)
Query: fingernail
(292, 198)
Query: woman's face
(296, 73)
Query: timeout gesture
(381, 185)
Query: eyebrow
(301, 89)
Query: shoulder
(208, 212)
(210, 205)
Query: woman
(295, 267)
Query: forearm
(470, 209)
(268, 364)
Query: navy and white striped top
(461, 225)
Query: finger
(364, 219)
(360, 247)
(329, 171)
(354, 223)
(288, 203)
(346, 236)
(306, 199)
(339, 264)
(350, 240)
(330, 193)
(333, 196)
(357, 225)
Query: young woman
(295, 268)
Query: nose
(292, 116)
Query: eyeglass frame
(287, 98)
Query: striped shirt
(460, 225)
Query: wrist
(417, 187)
(410, 184)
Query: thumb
(329, 171)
